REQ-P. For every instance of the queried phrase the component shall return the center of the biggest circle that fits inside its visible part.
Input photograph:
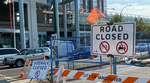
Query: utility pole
(56, 25)
(22, 29)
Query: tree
(142, 26)
(116, 18)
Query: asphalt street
(127, 70)
(8, 71)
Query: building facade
(43, 23)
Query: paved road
(127, 70)
(7, 71)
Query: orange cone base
(92, 57)
(21, 76)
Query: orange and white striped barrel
(101, 77)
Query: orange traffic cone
(21, 75)
(92, 57)
(44, 57)
(0, 75)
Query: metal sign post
(55, 43)
(111, 57)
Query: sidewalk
(16, 79)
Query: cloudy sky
(139, 7)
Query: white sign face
(54, 42)
(39, 69)
(54, 36)
(117, 39)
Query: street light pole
(111, 8)
(122, 10)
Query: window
(22, 52)
(8, 51)
(38, 50)
(45, 49)
(61, 34)
(13, 51)
(17, 17)
(45, 18)
(32, 51)
(69, 34)
(4, 51)
(50, 18)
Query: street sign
(117, 39)
(54, 41)
(39, 69)
(104, 47)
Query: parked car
(142, 47)
(81, 53)
(29, 53)
(6, 52)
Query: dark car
(142, 47)
(81, 53)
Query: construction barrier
(75, 59)
(27, 67)
(98, 76)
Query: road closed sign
(117, 39)
(39, 69)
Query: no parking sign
(117, 39)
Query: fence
(74, 53)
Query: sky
(138, 7)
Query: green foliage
(117, 18)
(142, 26)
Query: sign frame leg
(111, 57)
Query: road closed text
(112, 33)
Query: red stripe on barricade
(78, 74)
(66, 72)
(93, 76)
(148, 81)
(55, 71)
(130, 80)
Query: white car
(29, 53)
(7, 52)
(142, 47)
